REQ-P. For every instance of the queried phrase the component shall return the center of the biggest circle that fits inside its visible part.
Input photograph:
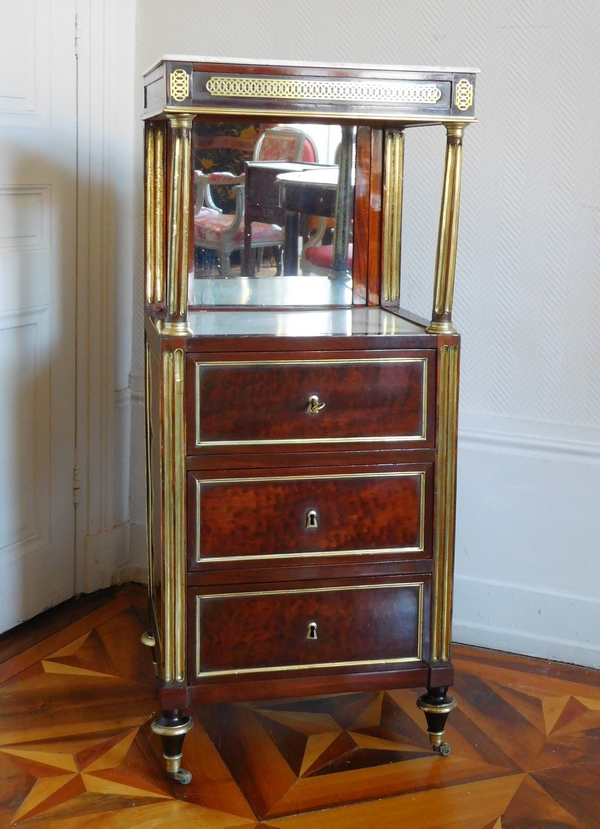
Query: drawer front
(271, 631)
(278, 518)
(310, 402)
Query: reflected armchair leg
(436, 705)
(172, 728)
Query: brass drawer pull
(314, 404)
(312, 630)
(312, 520)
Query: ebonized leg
(436, 705)
(172, 728)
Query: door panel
(38, 144)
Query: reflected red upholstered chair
(215, 230)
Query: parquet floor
(77, 695)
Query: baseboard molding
(527, 568)
(132, 572)
(138, 556)
(543, 623)
(494, 432)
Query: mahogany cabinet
(301, 426)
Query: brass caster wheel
(182, 776)
(444, 749)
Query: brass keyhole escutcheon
(312, 520)
(312, 630)
(314, 404)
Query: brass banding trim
(437, 709)
(430, 118)
(280, 441)
(239, 671)
(172, 730)
(314, 554)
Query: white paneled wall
(528, 281)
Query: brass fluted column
(173, 509)
(179, 223)
(155, 213)
(445, 265)
(445, 518)
(392, 215)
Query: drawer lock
(312, 520)
(314, 404)
(312, 630)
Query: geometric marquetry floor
(77, 694)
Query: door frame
(107, 261)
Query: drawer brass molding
(417, 657)
(308, 441)
(316, 554)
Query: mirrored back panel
(273, 213)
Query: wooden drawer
(309, 515)
(358, 400)
(371, 627)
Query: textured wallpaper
(528, 276)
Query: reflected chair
(317, 258)
(224, 232)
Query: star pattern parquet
(76, 749)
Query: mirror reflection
(272, 214)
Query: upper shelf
(393, 94)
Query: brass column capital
(181, 120)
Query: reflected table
(307, 192)
(262, 200)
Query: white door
(37, 305)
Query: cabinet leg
(436, 705)
(172, 728)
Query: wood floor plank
(15, 641)
(525, 664)
(176, 814)
(468, 806)
(45, 647)
(76, 749)
(532, 806)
